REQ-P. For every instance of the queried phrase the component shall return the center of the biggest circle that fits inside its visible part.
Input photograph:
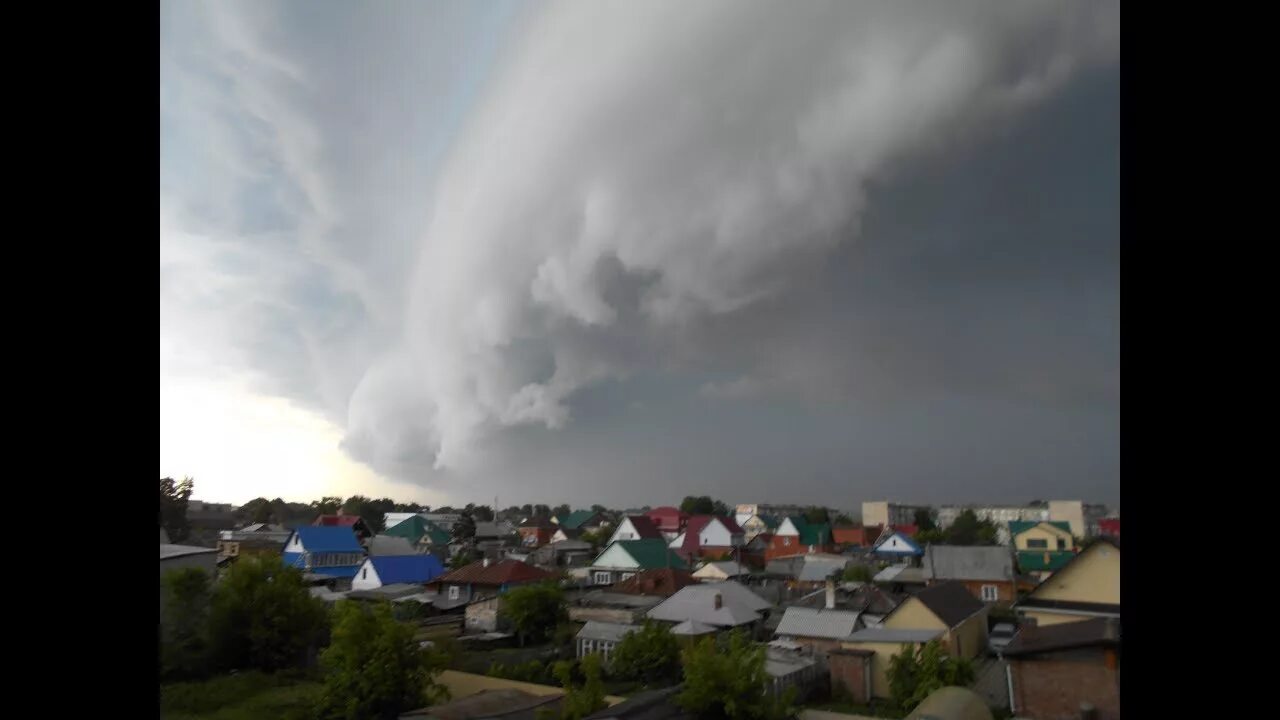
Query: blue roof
(298, 560)
(407, 568)
(914, 548)
(328, 539)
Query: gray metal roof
(808, 622)
(604, 598)
(965, 562)
(390, 545)
(738, 605)
(816, 569)
(173, 551)
(901, 574)
(612, 632)
(881, 634)
(780, 663)
(692, 627)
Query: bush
(263, 617)
(184, 625)
(580, 702)
(858, 573)
(534, 610)
(650, 655)
(914, 674)
(728, 679)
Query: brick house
(1060, 670)
(663, 581)
(855, 535)
(709, 536)
(670, 521)
(986, 571)
(536, 532)
(796, 536)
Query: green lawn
(244, 696)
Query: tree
(184, 623)
(969, 530)
(914, 674)
(462, 559)
(374, 668)
(595, 537)
(931, 537)
(526, 510)
(541, 511)
(465, 528)
(843, 519)
(264, 617)
(371, 511)
(702, 505)
(326, 505)
(924, 519)
(727, 679)
(650, 655)
(580, 702)
(534, 610)
(483, 513)
(173, 507)
(817, 515)
(719, 508)
(561, 510)
(858, 573)
(599, 509)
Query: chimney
(718, 601)
(831, 594)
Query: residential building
(485, 578)
(391, 519)
(563, 533)
(721, 605)
(444, 521)
(770, 509)
(1086, 587)
(1082, 517)
(709, 536)
(902, 578)
(601, 638)
(856, 535)
(797, 536)
(669, 520)
(536, 532)
(255, 539)
(612, 607)
(948, 607)
(494, 530)
(722, 570)
(986, 571)
(662, 581)
(807, 571)
(563, 553)
(423, 534)
(381, 570)
(866, 654)
(754, 524)
(819, 629)
(636, 527)
(1109, 527)
(897, 545)
(889, 513)
(1042, 547)
(588, 520)
(324, 550)
(389, 545)
(625, 558)
(788, 668)
(1055, 671)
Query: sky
(620, 252)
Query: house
(487, 576)
(663, 581)
(670, 521)
(324, 550)
(855, 535)
(1086, 587)
(709, 536)
(494, 530)
(391, 519)
(861, 664)
(722, 570)
(612, 607)
(721, 605)
(986, 571)
(563, 553)
(423, 534)
(1055, 671)
(820, 629)
(636, 527)
(353, 522)
(902, 578)
(382, 570)
(753, 524)
(807, 571)
(797, 536)
(582, 520)
(1042, 547)
(897, 544)
(563, 533)
(625, 558)
(871, 602)
(536, 532)
(601, 637)
(389, 545)
(949, 608)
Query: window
(786, 541)
(1038, 544)
(587, 646)
(1062, 544)
(453, 592)
(364, 574)
(628, 576)
(990, 593)
(603, 578)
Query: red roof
(693, 531)
(908, 530)
(1110, 526)
(506, 572)
(668, 518)
(663, 581)
(337, 520)
(644, 526)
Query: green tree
(374, 668)
(264, 617)
(595, 537)
(702, 505)
(930, 537)
(371, 511)
(650, 655)
(719, 508)
(842, 519)
(969, 530)
(580, 702)
(534, 610)
(465, 528)
(184, 623)
(727, 680)
(462, 559)
(924, 519)
(858, 573)
(817, 515)
(173, 507)
(326, 505)
(915, 673)
(561, 510)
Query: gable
(616, 556)
(913, 614)
(1042, 531)
(895, 543)
(787, 527)
(1092, 576)
(295, 543)
(366, 577)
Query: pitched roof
(1043, 560)
(407, 568)
(692, 627)
(891, 532)
(644, 526)
(698, 523)
(652, 553)
(1113, 542)
(1080, 606)
(575, 519)
(505, 572)
(328, 539)
(662, 581)
(738, 605)
(900, 574)
(390, 545)
(492, 529)
(337, 521)
(816, 568)
(968, 562)
(817, 623)
(950, 601)
(667, 517)
(614, 632)
(1094, 632)
(569, 533)
(1017, 527)
(172, 551)
(723, 568)
(414, 528)
(882, 634)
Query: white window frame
(626, 576)
(994, 594)
(453, 592)
(608, 577)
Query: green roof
(1017, 527)
(574, 520)
(1042, 560)
(811, 533)
(415, 527)
(770, 521)
(652, 553)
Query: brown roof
(1095, 632)
(950, 601)
(505, 572)
(662, 581)
(644, 526)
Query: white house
(635, 527)
(625, 558)
(709, 531)
(892, 542)
(722, 570)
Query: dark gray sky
(595, 252)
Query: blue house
(896, 544)
(330, 551)
(382, 570)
